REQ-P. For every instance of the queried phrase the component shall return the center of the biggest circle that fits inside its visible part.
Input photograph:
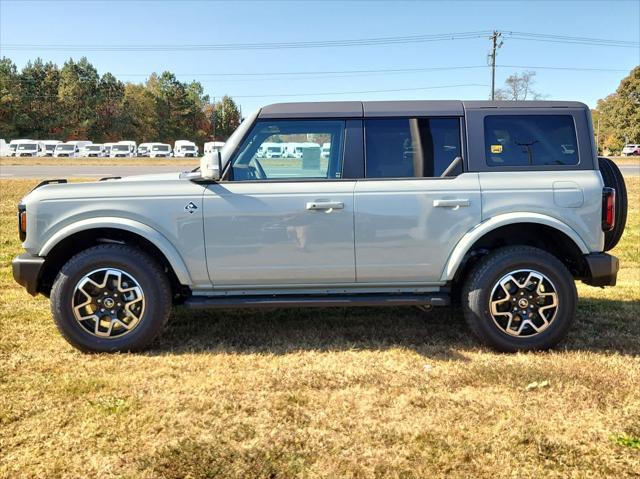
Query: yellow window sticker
(496, 148)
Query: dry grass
(40, 161)
(321, 393)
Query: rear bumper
(26, 271)
(602, 269)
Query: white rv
(94, 150)
(274, 150)
(107, 149)
(159, 150)
(13, 146)
(4, 148)
(81, 144)
(143, 149)
(123, 149)
(326, 150)
(66, 150)
(29, 148)
(211, 146)
(185, 149)
(49, 147)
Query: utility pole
(492, 59)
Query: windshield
(161, 148)
(120, 147)
(27, 146)
(65, 147)
(188, 147)
(93, 148)
(50, 147)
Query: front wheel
(110, 298)
(519, 298)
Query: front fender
(148, 233)
(468, 240)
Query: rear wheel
(111, 298)
(519, 298)
(612, 177)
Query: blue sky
(215, 22)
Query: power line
(359, 92)
(260, 76)
(246, 46)
(394, 40)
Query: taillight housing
(608, 209)
(22, 222)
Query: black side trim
(317, 301)
(602, 269)
(26, 271)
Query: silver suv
(498, 206)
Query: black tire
(148, 274)
(479, 284)
(613, 178)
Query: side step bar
(317, 301)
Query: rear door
(407, 217)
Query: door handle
(451, 203)
(327, 206)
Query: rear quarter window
(530, 140)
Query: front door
(284, 216)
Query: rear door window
(412, 147)
(530, 140)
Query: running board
(316, 301)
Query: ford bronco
(497, 206)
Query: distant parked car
(185, 149)
(143, 149)
(66, 150)
(631, 150)
(159, 150)
(49, 147)
(123, 149)
(4, 148)
(94, 150)
(211, 146)
(13, 145)
(29, 148)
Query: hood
(129, 186)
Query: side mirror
(211, 166)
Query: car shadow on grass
(609, 326)
(283, 331)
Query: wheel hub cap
(108, 303)
(523, 303)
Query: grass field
(321, 393)
(13, 161)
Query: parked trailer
(123, 149)
(159, 150)
(185, 149)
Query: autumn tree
(619, 114)
(10, 98)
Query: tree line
(616, 118)
(43, 101)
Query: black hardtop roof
(359, 109)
